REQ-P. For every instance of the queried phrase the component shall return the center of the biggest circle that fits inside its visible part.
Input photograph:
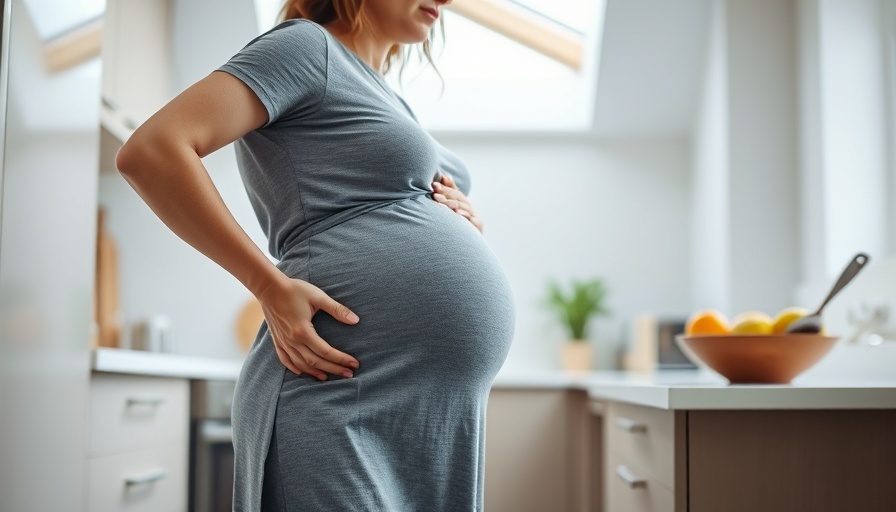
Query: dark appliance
(211, 446)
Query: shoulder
(293, 35)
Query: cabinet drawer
(628, 490)
(130, 413)
(644, 438)
(150, 480)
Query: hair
(351, 13)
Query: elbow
(141, 152)
(123, 159)
(127, 160)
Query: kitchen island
(681, 440)
(687, 441)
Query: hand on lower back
(288, 308)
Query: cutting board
(247, 323)
(106, 308)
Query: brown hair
(351, 13)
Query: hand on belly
(288, 307)
(447, 193)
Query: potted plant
(575, 309)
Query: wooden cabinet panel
(131, 413)
(542, 451)
(150, 480)
(644, 437)
(526, 460)
(792, 461)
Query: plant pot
(577, 356)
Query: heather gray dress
(340, 181)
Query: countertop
(157, 364)
(668, 389)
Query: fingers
(477, 222)
(327, 353)
(453, 198)
(316, 362)
(298, 346)
(449, 192)
(448, 181)
(454, 204)
(308, 353)
(338, 311)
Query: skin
(162, 162)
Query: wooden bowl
(758, 358)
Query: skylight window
(575, 14)
(499, 81)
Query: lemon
(752, 322)
(787, 316)
(707, 321)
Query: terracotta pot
(577, 356)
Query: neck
(366, 45)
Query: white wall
(553, 208)
(847, 143)
(162, 275)
(745, 219)
(575, 209)
(853, 129)
(710, 264)
(764, 230)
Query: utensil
(812, 323)
(106, 295)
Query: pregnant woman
(388, 315)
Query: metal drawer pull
(146, 400)
(147, 478)
(632, 481)
(630, 425)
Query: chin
(416, 35)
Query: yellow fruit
(752, 322)
(787, 316)
(707, 321)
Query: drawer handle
(147, 478)
(630, 425)
(632, 481)
(146, 400)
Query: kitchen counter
(669, 389)
(704, 390)
(141, 362)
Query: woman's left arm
(447, 193)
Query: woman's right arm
(162, 162)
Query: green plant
(574, 310)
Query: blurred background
(696, 154)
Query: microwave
(652, 345)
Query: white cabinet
(137, 67)
(139, 443)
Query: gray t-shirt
(339, 141)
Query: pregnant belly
(432, 296)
